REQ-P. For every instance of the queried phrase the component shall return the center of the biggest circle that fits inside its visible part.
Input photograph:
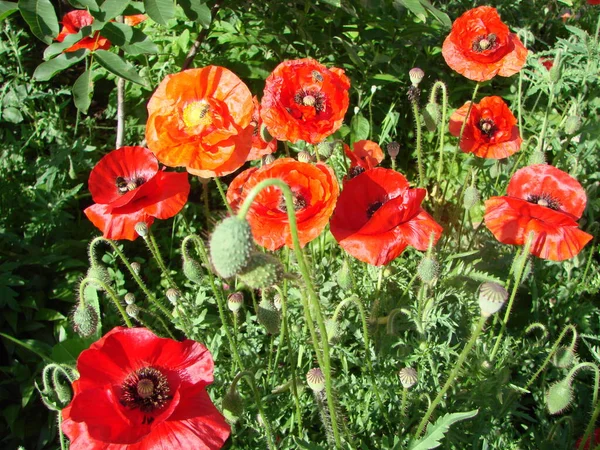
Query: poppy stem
(419, 138)
(223, 196)
(111, 294)
(440, 85)
(61, 435)
(315, 307)
(154, 250)
(162, 322)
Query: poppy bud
(233, 406)
(133, 310)
(556, 70)
(264, 133)
(325, 149)
(393, 148)
(416, 76)
(129, 298)
(408, 377)
(231, 246)
(262, 271)
(537, 157)
(315, 379)
(62, 390)
(235, 301)
(136, 267)
(333, 330)
(470, 197)
(141, 228)
(173, 295)
(428, 269)
(268, 159)
(563, 358)
(559, 396)
(304, 157)
(344, 276)
(431, 116)
(192, 269)
(98, 272)
(85, 320)
(572, 124)
(491, 298)
(268, 316)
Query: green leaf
(12, 115)
(140, 43)
(440, 16)
(58, 47)
(160, 10)
(7, 8)
(39, 348)
(115, 64)
(48, 69)
(83, 89)
(110, 9)
(436, 431)
(41, 18)
(415, 7)
(117, 33)
(67, 351)
(85, 4)
(386, 77)
(197, 11)
(359, 128)
(336, 3)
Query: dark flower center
(299, 203)
(487, 127)
(355, 171)
(311, 97)
(544, 200)
(125, 185)
(373, 207)
(146, 389)
(485, 42)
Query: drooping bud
(192, 269)
(129, 298)
(559, 396)
(141, 228)
(470, 197)
(555, 71)
(393, 148)
(233, 406)
(431, 116)
(263, 271)
(62, 389)
(491, 298)
(136, 267)
(304, 157)
(268, 316)
(416, 76)
(537, 157)
(315, 379)
(133, 311)
(428, 269)
(344, 276)
(235, 301)
(85, 320)
(563, 358)
(408, 377)
(231, 246)
(173, 295)
(268, 159)
(572, 124)
(264, 133)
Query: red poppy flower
(548, 62)
(480, 46)
(593, 2)
(378, 215)
(73, 22)
(546, 201)
(315, 190)
(304, 100)
(137, 391)
(260, 147)
(596, 434)
(128, 188)
(200, 119)
(134, 20)
(491, 131)
(365, 154)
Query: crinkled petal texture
(74, 21)
(378, 215)
(97, 418)
(201, 119)
(304, 100)
(260, 147)
(134, 20)
(491, 130)
(315, 191)
(365, 154)
(545, 201)
(128, 188)
(480, 46)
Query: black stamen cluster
(135, 392)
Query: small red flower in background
(73, 22)
(491, 131)
(364, 154)
(593, 2)
(134, 20)
(128, 188)
(304, 100)
(201, 119)
(547, 62)
(480, 46)
(315, 190)
(596, 433)
(546, 201)
(137, 391)
(378, 215)
(260, 147)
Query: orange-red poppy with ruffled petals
(201, 119)
(315, 190)
(378, 215)
(134, 19)
(491, 130)
(73, 22)
(480, 46)
(304, 100)
(365, 154)
(128, 188)
(260, 147)
(546, 201)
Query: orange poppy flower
(315, 190)
(73, 22)
(304, 100)
(363, 156)
(201, 119)
(135, 19)
(480, 46)
(491, 131)
(546, 201)
(260, 147)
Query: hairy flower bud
(268, 316)
(85, 320)
(470, 197)
(572, 124)
(344, 276)
(428, 269)
(231, 246)
(192, 269)
(431, 116)
(233, 406)
(559, 396)
(262, 271)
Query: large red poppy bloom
(546, 201)
(315, 190)
(491, 130)
(73, 22)
(201, 119)
(304, 100)
(378, 215)
(260, 147)
(128, 188)
(480, 46)
(137, 391)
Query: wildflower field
(329, 224)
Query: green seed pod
(235, 301)
(408, 377)
(262, 271)
(192, 269)
(315, 379)
(264, 133)
(559, 396)
(344, 277)
(268, 159)
(233, 406)
(136, 267)
(268, 316)
(428, 269)
(563, 358)
(85, 320)
(129, 298)
(492, 297)
(173, 295)
(231, 246)
(471, 197)
(141, 228)
(572, 124)
(133, 310)
(537, 157)
(431, 116)
(304, 157)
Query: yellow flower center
(197, 113)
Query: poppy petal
(116, 226)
